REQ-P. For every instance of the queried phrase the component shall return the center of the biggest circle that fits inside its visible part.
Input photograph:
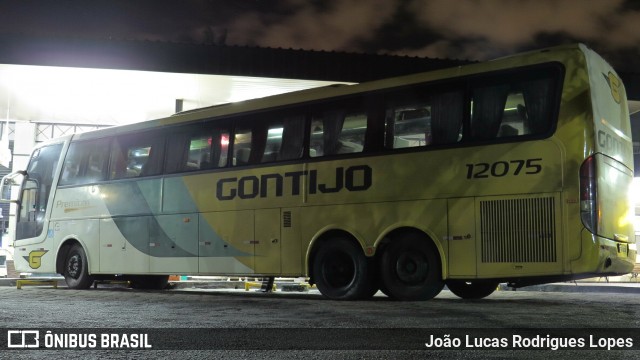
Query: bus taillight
(588, 194)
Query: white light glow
(110, 97)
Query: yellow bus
(515, 170)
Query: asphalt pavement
(601, 285)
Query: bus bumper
(610, 257)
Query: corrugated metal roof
(210, 59)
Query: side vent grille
(286, 219)
(518, 230)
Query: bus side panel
(267, 242)
(226, 242)
(173, 244)
(292, 252)
(117, 254)
(462, 238)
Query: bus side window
(97, 161)
(337, 132)
(292, 138)
(435, 120)
(514, 118)
(198, 148)
(285, 140)
(408, 126)
(86, 162)
(274, 143)
(511, 110)
(219, 150)
(242, 146)
(487, 110)
(265, 141)
(207, 151)
(135, 156)
(71, 165)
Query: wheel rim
(338, 271)
(74, 266)
(412, 268)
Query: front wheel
(76, 269)
(341, 271)
(410, 269)
(476, 289)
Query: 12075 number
(504, 168)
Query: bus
(515, 170)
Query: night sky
(462, 29)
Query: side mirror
(9, 189)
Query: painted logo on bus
(353, 178)
(35, 258)
(614, 83)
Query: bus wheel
(410, 269)
(476, 289)
(341, 271)
(150, 282)
(76, 269)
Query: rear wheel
(341, 271)
(476, 289)
(410, 269)
(76, 269)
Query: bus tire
(341, 271)
(150, 282)
(76, 269)
(476, 289)
(410, 269)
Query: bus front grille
(518, 230)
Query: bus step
(20, 283)
(267, 285)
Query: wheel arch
(399, 231)
(63, 250)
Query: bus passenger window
(292, 138)
(337, 132)
(198, 154)
(136, 156)
(514, 117)
(97, 161)
(207, 151)
(274, 143)
(511, 110)
(435, 120)
(285, 140)
(409, 126)
(488, 106)
(241, 147)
